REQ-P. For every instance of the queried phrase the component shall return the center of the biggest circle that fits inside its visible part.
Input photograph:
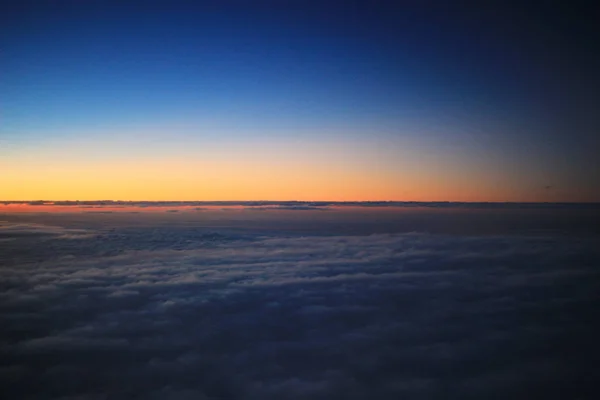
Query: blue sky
(458, 84)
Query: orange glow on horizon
(258, 177)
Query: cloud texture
(164, 313)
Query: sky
(298, 100)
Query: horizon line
(246, 202)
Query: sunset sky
(297, 100)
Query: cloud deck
(178, 311)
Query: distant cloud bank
(304, 205)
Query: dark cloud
(313, 205)
(289, 207)
(12, 231)
(165, 313)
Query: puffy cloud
(169, 313)
(12, 231)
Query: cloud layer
(167, 313)
(311, 205)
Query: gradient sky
(298, 100)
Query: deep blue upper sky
(508, 83)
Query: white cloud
(170, 313)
